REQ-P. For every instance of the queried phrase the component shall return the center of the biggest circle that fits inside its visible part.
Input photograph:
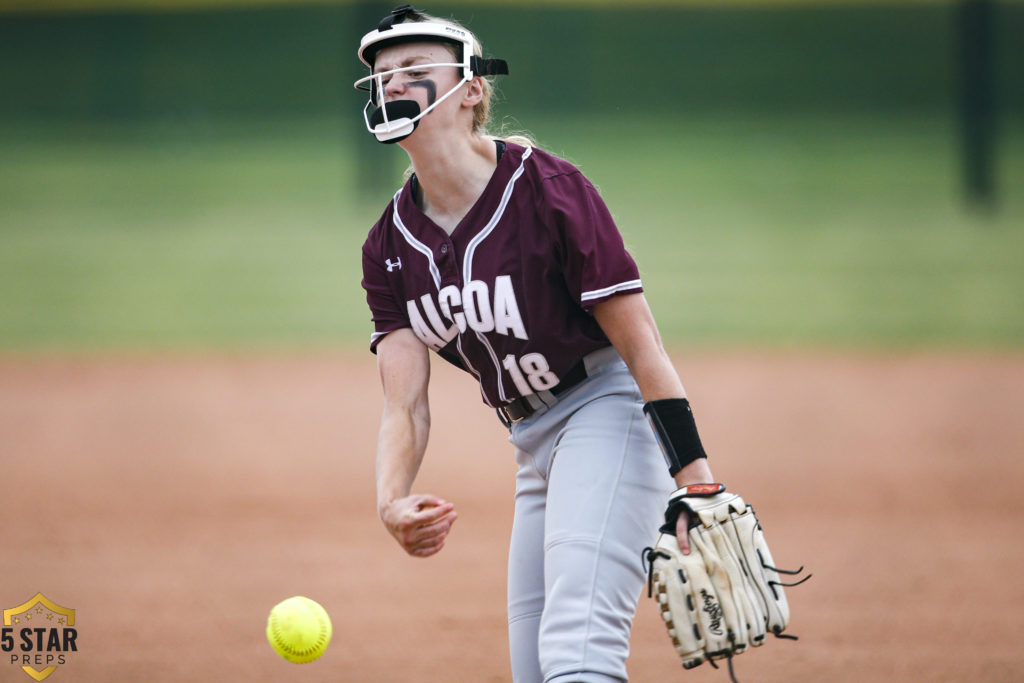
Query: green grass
(835, 231)
(164, 238)
(750, 231)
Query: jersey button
(444, 248)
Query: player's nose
(395, 85)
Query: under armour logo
(394, 265)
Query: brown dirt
(173, 500)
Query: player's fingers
(419, 537)
(442, 525)
(683, 533)
(439, 528)
(431, 513)
(420, 522)
(427, 549)
(417, 510)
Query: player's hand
(420, 523)
(694, 473)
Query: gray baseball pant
(591, 490)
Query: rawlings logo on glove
(726, 594)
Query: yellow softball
(299, 629)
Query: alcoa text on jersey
(506, 296)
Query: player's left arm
(628, 323)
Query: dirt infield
(171, 501)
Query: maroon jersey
(507, 295)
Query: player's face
(427, 75)
(425, 84)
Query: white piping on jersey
(467, 266)
(598, 293)
(416, 244)
(458, 345)
(467, 263)
(435, 273)
(497, 366)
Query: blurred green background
(786, 174)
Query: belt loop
(594, 360)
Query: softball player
(504, 260)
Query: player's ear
(474, 93)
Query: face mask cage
(392, 32)
(375, 85)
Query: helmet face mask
(394, 121)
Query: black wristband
(676, 430)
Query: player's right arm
(419, 522)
